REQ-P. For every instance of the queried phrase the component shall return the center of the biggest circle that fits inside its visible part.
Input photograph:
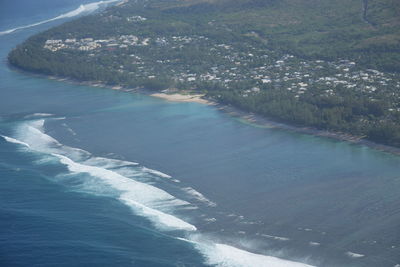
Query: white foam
(314, 244)
(87, 8)
(33, 134)
(109, 163)
(15, 141)
(163, 220)
(69, 129)
(223, 255)
(190, 208)
(155, 172)
(131, 172)
(354, 255)
(35, 131)
(250, 223)
(280, 238)
(199, 196)
(38, 115)
(143, 198)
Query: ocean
(93, 176)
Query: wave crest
(144, 199)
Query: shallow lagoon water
(268, 191)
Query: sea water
(108, 178)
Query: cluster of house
(298, 77)
(287, 72)
(303, 76)
(89, 44)
(135, 19)
(227, 64)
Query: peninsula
(331, 65)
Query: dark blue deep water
(91, 176)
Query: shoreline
(176, 97)
(252, 118)
(260, 121)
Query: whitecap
(141, 197)
(199, 196)
(155, 172)
(109, 163)
(69, 129)
(162, 220)
(354, 255)
(33, 134)
(15, 141)
(280, 238)
(146, 200)
(223, 255)
(38, 115)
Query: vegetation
(331, 65)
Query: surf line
(143, 198)
(87, 8)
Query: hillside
(331, 65)
(367, 31)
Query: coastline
(260, 121)
(176, 97)
(232, 111)
(312, 190)
(251, 118)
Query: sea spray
(217, 254)
(144, 199)
(138, 196)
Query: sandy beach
(251, 118)
(196, 98)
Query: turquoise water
(95, 176)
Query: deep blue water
(80, 179)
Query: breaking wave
(38, 115)
(15, 141)
(199, 196)
(223, 255)
(144, 199)
(82, 9)
(155, 172)
(141, 197)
